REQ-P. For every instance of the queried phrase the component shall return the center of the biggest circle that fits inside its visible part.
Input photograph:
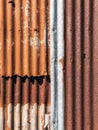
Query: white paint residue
(27, 7)
(25, 24)
(45, 35)
(33, 117)
(9, 120)
(17, 117)
(25, 112)
(48, 109)
(24, 42)
(41, 116)
(9, 43)
(47, 121)
(34, 42)
(42, 42)
(1, 118)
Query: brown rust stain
(33, 92)
(25, 91)
(17, 91)
(8, 105)
(42, 89)
(2, 92)
(61, 61)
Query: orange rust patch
(62, 63)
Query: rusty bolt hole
(11, 2)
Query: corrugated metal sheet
(81, 64)
(81, 77)
(32, 44)
(24, 103)
(57, 63)
(24, 37)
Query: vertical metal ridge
(8, 104)
(48, 104)
(17, 102)
(9, 39)
(1, 103)
(57, 63)
(86, 66)
(42, 36)
(25, 104)
(95, 65)
(41, 103)
(34, 37)
(69, 64)
(2, 55)
(60, 63)
(33, 104)
(25, 36)
(53, 64)
(48, 37)
(17, 38)
(78, 66)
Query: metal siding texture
(81, 73)
(57, 63)
(81, 61)
(24, 36)
(32, 44)
(24, 103)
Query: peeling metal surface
(24, 103)
(33, 43)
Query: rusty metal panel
(32, 44)
(81, 73)
(80, 64)
(24, 103)
(24, 38)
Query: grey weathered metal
(57, 63)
